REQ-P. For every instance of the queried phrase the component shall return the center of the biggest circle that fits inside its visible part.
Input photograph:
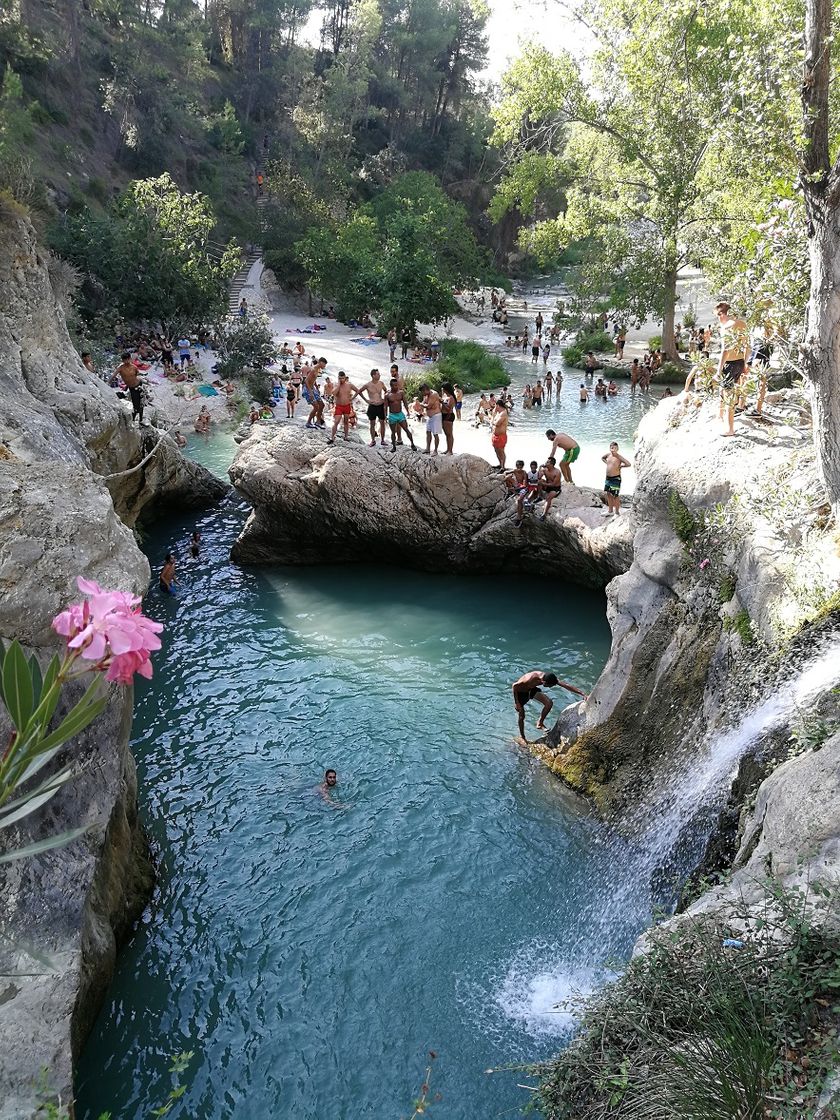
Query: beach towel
(207, 391)
(365, 341)
(314, 329)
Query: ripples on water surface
(310, 955)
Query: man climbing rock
(529, 687)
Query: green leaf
(38, 762)
(37, 681)
(77, 719)
(58, 841)
(22, 806)
(17, 686)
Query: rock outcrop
(346, 502)
(732, 552)
(75, 474)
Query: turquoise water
(311, 953)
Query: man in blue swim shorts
(395, 403)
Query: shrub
(725, 1018)
(597, 341)
(741, 623)
(670, 371)
(466, 364)
(244, 344)
(258, 384)
(689, 318)
(655, 342)
(684, 523)
(573, 356)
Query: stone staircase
(240, 280)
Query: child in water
(167, 575)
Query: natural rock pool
(310, 954)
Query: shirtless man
(312, 396)
(395, 403)
(344, 394)
(635, 374)
(434, 421)
(570, 449)
(127, 370)
(328, 785)
(552, 482)
(591, 364)
(732, 364)
(374, 394)
(529, 687)
(537, 395)
(498, 436)
(584, 394)
(614, 464)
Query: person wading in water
(529, 687)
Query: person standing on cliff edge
(529, 687)
(127, 370)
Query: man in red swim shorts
(344, 394)
(498, 435)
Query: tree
(631, 144)
(151, 254)
(820, 180)
(244, 344)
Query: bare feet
(541, 727)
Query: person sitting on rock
(552, 482)
(529, 687)
(517, 482)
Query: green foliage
(726, 587)
(587, 338)
(398, 257)
(695, 1030)
(224, 132)
(466, 364)
(740, 624)
(670, 372)
(149, 257)
(655, 342)
(258, 385)
(244, 344)
(31, 699)
(685, 524)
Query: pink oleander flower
(704, 563)
(110, 629)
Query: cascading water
(668, 828)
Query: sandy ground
(339, 345)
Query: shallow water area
(310, 951)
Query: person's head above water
(330, 778)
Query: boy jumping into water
(529, 687)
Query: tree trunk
(669, 342)
(821, 348)
(821, 187)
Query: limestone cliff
(318, 504)
(70, 489)
(733, 552)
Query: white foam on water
(539, 993)
(539, 988)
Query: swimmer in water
(167, 575)
(329, 783)
(195, 544)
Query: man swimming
(529, 687)
(570, 448)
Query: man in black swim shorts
(529, 687)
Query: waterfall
(670, 826)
